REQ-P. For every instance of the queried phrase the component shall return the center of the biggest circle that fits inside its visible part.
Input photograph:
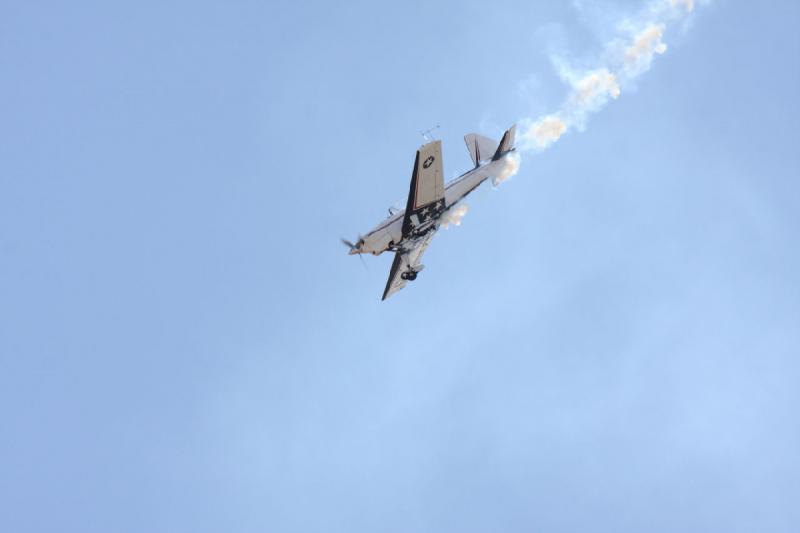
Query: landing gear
(409, 276)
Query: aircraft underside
(408, 233)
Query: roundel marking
(428, 162)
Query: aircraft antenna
(427, 134)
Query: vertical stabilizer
(507, 143)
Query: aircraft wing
(405, 261)
(426, 195)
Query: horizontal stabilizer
(480, 148)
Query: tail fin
(506, 144)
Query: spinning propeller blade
(354, 249)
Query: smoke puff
(645, 45)
(454, 215)
(594, 89)
(510, 168)
(543, 132)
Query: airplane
(409, 232)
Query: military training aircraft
(408, 232)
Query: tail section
(482, 149)
(506, 143)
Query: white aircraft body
(408, 232)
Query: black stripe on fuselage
(412, 198)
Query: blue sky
(609, 341)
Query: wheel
(411, 276)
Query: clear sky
(610, 342)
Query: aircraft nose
(357, 249)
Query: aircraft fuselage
(388, 235)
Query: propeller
(355, 248)
(348, 244)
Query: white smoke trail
(625, 58)
(510, 167)
(454, 215)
